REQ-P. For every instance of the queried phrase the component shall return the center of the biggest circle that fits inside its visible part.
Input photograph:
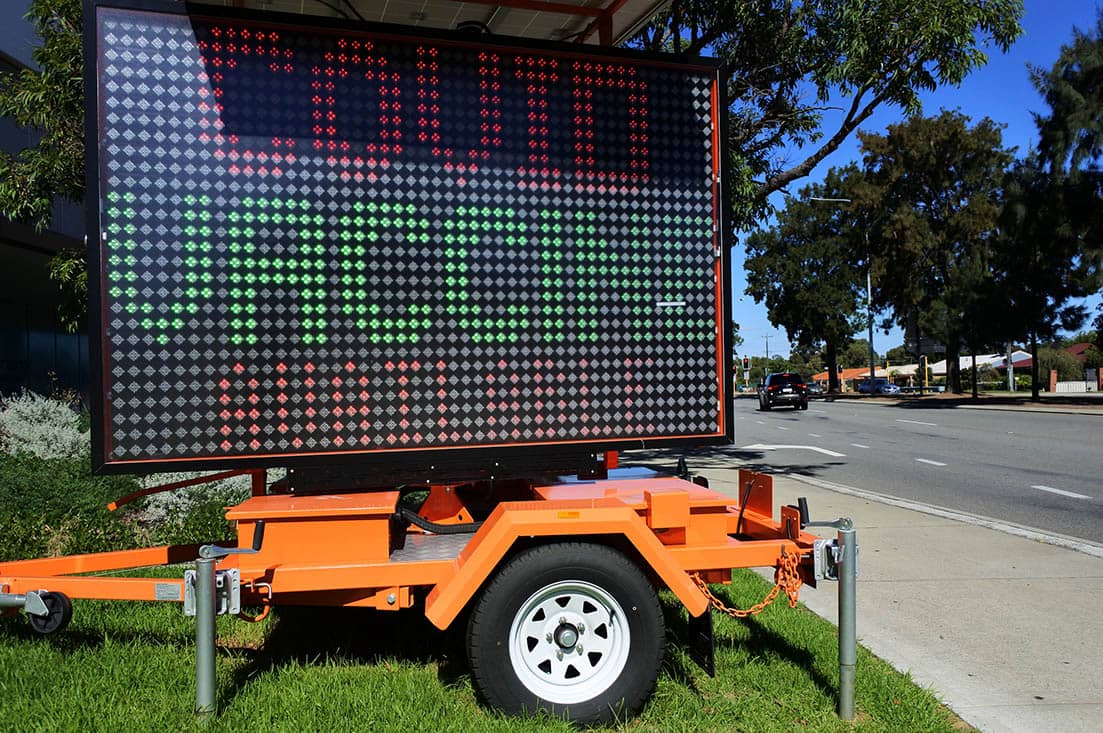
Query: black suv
(783, 388)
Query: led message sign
(317, 242)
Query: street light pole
(869, 313)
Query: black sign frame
(484, 455)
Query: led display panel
(317, 242)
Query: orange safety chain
(786, 577)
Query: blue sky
(1000, 90)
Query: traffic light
(746, 363)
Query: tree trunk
(974, 350)
(953, 363)
(832, 368)
(1034, 366)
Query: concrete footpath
(1005, 629)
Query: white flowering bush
(44, 427)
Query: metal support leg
(204, 637)
(848, 645)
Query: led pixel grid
(319, 241)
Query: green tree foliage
(856, 354)
(810, 244)
(929, 203)
(1071, 135)
(50, 101)
(1041, 265)
(806, 360)
(1093, 358)
(898, 355)
(737, 340)
(788, 63)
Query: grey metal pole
(848, 639)
(869, 320)
(204, 637)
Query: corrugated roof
(560, 20)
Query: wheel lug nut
(581, 628)
(559, 654)
(548, 637)
(579, 648)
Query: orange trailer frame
(340, 548)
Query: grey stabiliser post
(204, 637)
(848, 639)
(840, 563)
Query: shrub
(56, 506)
(51, 504)
(30, 423)
(1068, 368)
(193, 514)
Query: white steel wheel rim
(540, 649)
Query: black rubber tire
(524, 578)
(59, 616)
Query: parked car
(783, 388)
(815, 389)
(879, 385)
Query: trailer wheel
(59, 614)
(571, 628)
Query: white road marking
(820, 411)
(859, 445)
(1062, 492)
(814, 435)
(1073, 543)
(760, 422)
(781, 428)
(929, 462)
(919, 422)
(760, 446)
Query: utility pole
(766, 366)
(869, 315)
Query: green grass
(124, 666)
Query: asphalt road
(1037, 469)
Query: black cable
(412, 517)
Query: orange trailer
(559, 582)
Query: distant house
(1078, 351)
(1019, 360)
